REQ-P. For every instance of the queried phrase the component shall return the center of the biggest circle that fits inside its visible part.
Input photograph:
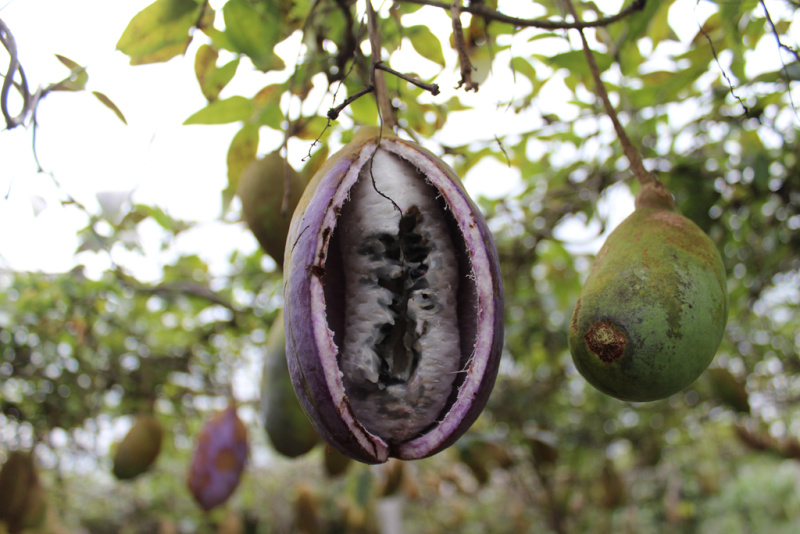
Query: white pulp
(398, 409)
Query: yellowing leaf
(212, 79)
(159, 32)
(110, 105)
(267, 103)
(241, 152)
(77, 79)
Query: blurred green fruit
(288, 428)
(261, 190)
(139, 448)
(335, 462)
(729, 389)
(23, 503)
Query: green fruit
(261, 190)
(287, 426)
(729, 389)
(335, 462)
(307, 511)
(34, 513)
(139, 448)
(16, 479)
(23, 502)
(654, 307)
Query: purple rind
(309, 342)
(219, 459)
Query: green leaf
(426, 44)
(159, 32)
(364, 110)
(162, 218)
(241, 152)
(110, 105)
(575, 62)
(254, 30)
(212, 80)
(522, 66)
(235, 108)
(652, 20)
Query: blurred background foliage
(80, 357)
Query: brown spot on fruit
(605, 341)
(225, 460)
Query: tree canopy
(706, 92)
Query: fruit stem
(630, 151)
(377, 79)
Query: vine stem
(463, 58)
(482, 10)
(630, 151)
(377, 78)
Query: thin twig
(480, 9)
(377, 79)
(464, 63)
(722, 70)
(784, 47)
(333, 113)
(432, 88)
(630, 151)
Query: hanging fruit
(23, 503)
(261, 191)
(287, 426)
(219, 458)
(654, 307)
(393, 301)
(139, 449)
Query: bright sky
(179, 168)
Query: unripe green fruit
(287, 426)
(261, 190)
(16, 479)
(23, 504)
(335, 463)
(654, 307)
(139, 448)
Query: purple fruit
(219, 459)
(393, 301)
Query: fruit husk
(139, 449)
(261, 191)
(311, 350)
(219, 458)
(653, 310)
(285, 422)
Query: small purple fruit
(219, 459)
(393, 301)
